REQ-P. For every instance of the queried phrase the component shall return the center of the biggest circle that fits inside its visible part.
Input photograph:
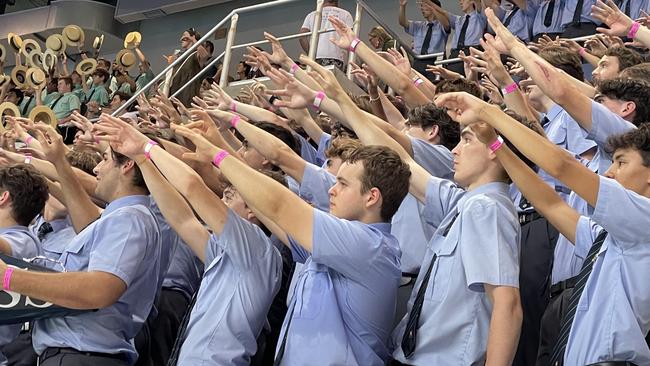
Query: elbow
(510, 303)
(190, 184)
(91, 301)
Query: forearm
(643, 36)
(308, 124)
(304, 43)
(74, 290)
(257, 114)
(81, 209)
(386, 71)
(593, 60)
(393, 115)
(171, 204)
(505, 325)
(375, 103)
(55, 190)
(402, 16)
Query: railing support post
(355, 28)
(315, 28)
(223, 82)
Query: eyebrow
(341, 179)
(618, 155)
(466, 132)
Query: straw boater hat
(43, 114)
(18, 76)
(56, 43)
(87, 66)
(49, 60)
(3, 53)
(73, 35)
(125, 58)
(4, 79)
(14, 41)
(35, 78)
(131, 39)
(35, 59)
(97, 43)
(28, 46)
(9, 107)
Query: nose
(610, 172)
(332, 191)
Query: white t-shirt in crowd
(326, 49)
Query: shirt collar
(553, 112)
(384, 227)
(60, 224)
(493, 187)
(127, 201)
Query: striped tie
(560, 346)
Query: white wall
(161, 35)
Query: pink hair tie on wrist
(235, 119)
(219, 158)
(318, 100)
(7, 279)
(147, 148)
(582, 52)
(496, 144)
(510, 88)
(293, 69)
(28, 140)
(633, 30)
(354, 44)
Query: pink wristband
(496, 144)
(582, 52)
(219, 157)
(233, 106)
(635, 28)
(354, 44)
(418, 82)
(28, 140)
(318, 100)
(235, 119)
(293, 69)
(510, 88)
(28, 159)
(147, 148)
(7, 279)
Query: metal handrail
(190, 50)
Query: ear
(5, 198)
(373, 197)
(628, 108)
(128, 166)
(432, 136)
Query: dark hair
(640, 71)
(209, 46)
(19, 94)
(28, 191)
(103, 74)
(67, 80)
(339, 130)
(637, 139)
(123, 96)
(210, 80)
(385, 170)
(138, 179)
(83, 160)
(428, 115)
(563, 59)
(629, 90)
(192, 32)
(626, 57)
(398, 103)
(105, 62)
(459, 85)
(362, 101)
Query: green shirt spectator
(98, 93)
(66, 102)
(26, 106)
(143, 79)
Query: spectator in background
(327, 53)
(212, 71)
(186, 70)
(380, 39)
(430, 35)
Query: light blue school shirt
(556, 21)
(315, 186)
(585, 16)
(519, 22)
(613, 314)
(408, 226)
(475, 29)
(54, 243)
(323, 145)
(307, 152)
(24, 244)
(124, 241)
(635, 7)
(343, 305)
(481, 247)
(242, 275)
(418, 30)
(184, 272)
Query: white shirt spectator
(327, 49)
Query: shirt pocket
(313, 290)
(73, 258)
(441, 274)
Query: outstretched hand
(204, 152)
(463, 108)
(345, 34)
(121, 136)
(325, 79)
(619, 24)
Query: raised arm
(386, 71)
(403, 21)
(261, 193)
(467, 109)
(555, 84)
(619, 24)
